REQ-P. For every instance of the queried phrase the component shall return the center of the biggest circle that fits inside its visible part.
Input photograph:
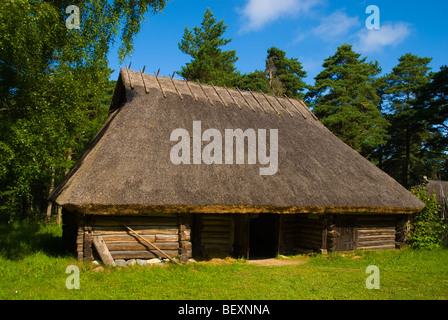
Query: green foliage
(427, 227)
(210, 63)
(285, 74)
(255, 81)
(54, 90)
(432, 106)
(345, 99)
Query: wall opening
(263, 236)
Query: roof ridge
(265, 102)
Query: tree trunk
(407, 165)
(59, 216)
(50, 204)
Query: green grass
(33, 265)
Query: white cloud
(334, 27)
(389, 34)
(258, 13)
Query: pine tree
(209, 63)
(346, 101)
(285, 74)
(432, 107)
(406, 160)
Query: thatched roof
(440, 188)
(127, 168)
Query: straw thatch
(127, 168)
(440, 188)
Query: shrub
(427, 228)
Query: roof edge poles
(280, 103)
(244, 98)
(129, 76)
(208, 98)
(298, 110)
(192, 93)
(278, 112)
(143, 79)
(174, 84)
(217, 93)
(307, 109)
(160, 85)
(257, 101)
(232, 97)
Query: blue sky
(310, 30)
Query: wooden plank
(363, 228)
(216, 228)
(215, 234)
(216, 222)
(124, 238)
(215, 240)
(142, 254)
(376, 237)
(317, 237)
(103, 230)
(364, 243)
(114, 238)
(171, 238)
(103, 251)
(142, 246)
(376, 232)
(216, 217)
(379, 247)
(139, 220)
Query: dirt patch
(271, 262)
(277, 262)
(218, 261)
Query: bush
(427, 228)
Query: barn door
(346, 238)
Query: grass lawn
(33, 266)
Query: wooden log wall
(287, 236)
(376, 232)
(370, 232)
(315, 232)
(170, 233)
(216, 235)
(309, 228)
(301, 232)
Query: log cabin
(125, 188)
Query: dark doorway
(263, 236)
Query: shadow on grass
(19, 240)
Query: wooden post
(324, 234)
(88, 238)
(331, 234)
(102, 250)
(184, 239)
(280, 234)
(241, 244)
